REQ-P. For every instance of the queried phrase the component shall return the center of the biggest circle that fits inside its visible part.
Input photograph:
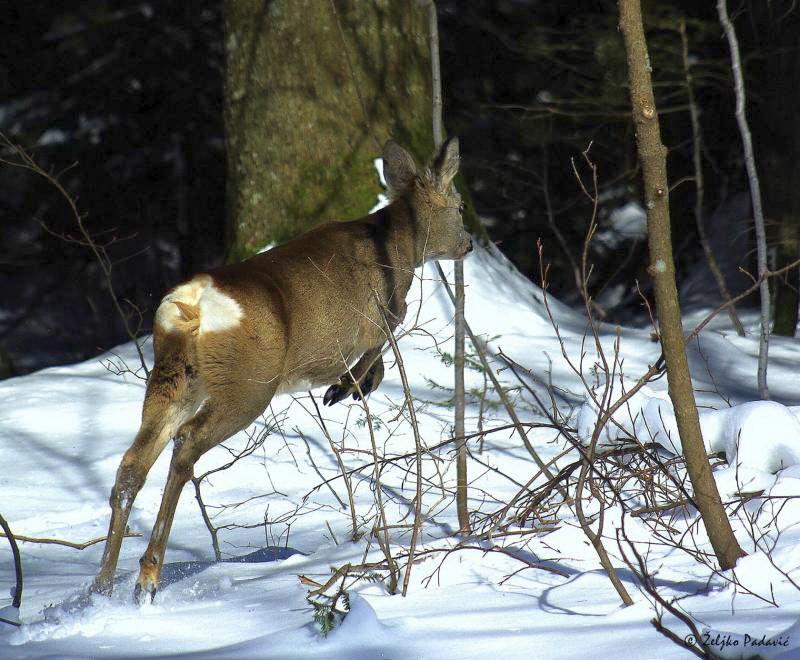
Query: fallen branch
(69, 544)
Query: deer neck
(405, 233)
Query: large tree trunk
(313, 89)
(653, 157)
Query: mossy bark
(313, 90)
(653, 158)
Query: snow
(760, 436)
(52, 136)
(383, 200)
(625, 223)
(63, 431)
(630, 220)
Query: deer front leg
(367, 372)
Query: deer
(313, 311)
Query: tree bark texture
(313, 88)
(652, 156)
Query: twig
(417, 451)
(756, 285)
(380, 530)
(443, 443)
(213, 531)
(498, 388)
(345, 476)
(691, 642)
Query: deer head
(434, 200)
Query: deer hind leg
(220, 416)
(172, 396)
(367, 372)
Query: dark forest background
(125, 101)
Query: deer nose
(469, 246)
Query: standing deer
(295, 317)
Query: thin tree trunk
(458, 359)
(697, 138)
(16, 597)
(652, 155)
(460, 405)
(755, 194)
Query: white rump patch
(217, 311)
(168, 315)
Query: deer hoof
(336, 393)
(144, 594)
(346, 387)
(366, 386)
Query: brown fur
(294, 317)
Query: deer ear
(445, 166)
(399, 168)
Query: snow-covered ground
(63, 431)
